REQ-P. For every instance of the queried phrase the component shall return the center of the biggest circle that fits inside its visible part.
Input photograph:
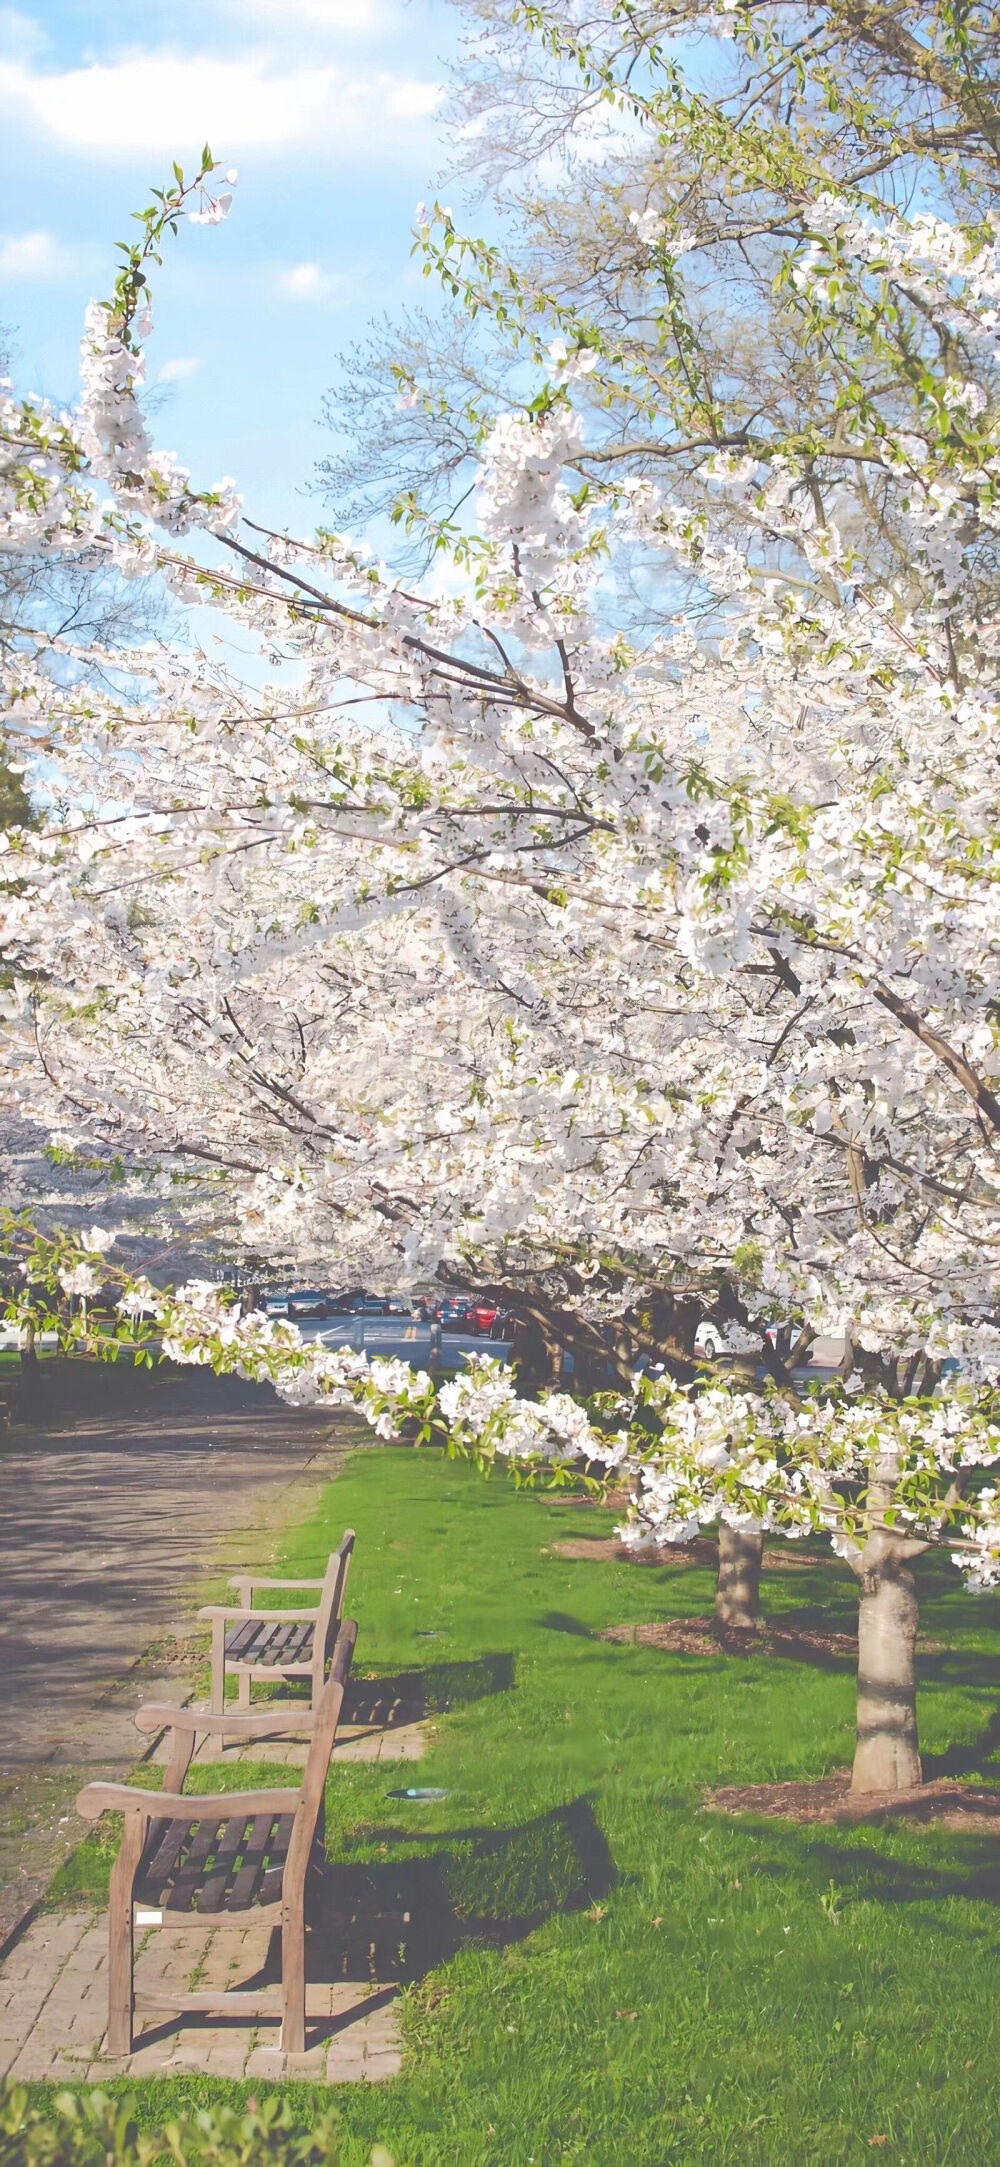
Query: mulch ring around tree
(701, 1636)
(941, 1803)
(699, 1552)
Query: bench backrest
(324, 1734)
(331, 1602)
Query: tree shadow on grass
(861, 1874)
(937, 1664)
(396, 1918)
(868, 1876)
(974, 1759)
(561, 1621)
(806, 1635)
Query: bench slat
(189, 1874)
(166, 1840)
(271, 1880)
(286, 1644)
(243, 1889)
(213, 1887)
(273, 1644)
(190, 1869)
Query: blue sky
(330, 111)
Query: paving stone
(264, 2062)
(226, 2062)
(32, 2064)
(402, 1742)
(381, 2068)
(63, 2068)
(27, 2014)
(86, 2023)
(65, 1999)
(87, 1958)
(396, 1742)
(344, 2068)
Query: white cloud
(305, 282)
(37, 257)
(179, 369)
(168, 103)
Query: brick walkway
(354, 1743)
(53, 1989)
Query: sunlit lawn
(616, 1975)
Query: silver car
(307, 1302)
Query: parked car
(466, 1313)
(484, 1314)
(360, 1302)
(308, 1302)
(454, 1317)
(276, 1304)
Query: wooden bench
(266, 1644)
(232, 1858)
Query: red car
(467, 1316)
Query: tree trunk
(553, 1363)
(26, 1398)
(737, 1590)
(887, 1757)
(537, 1357)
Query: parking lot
(425, 1346)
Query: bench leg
(293, 1981)
(121, 1953)
(217, 1699)
(243, 1689)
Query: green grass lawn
(605, 1972)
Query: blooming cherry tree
(631, 978)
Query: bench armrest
(100, 1798)
(265, 1722)
(263, 1617)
